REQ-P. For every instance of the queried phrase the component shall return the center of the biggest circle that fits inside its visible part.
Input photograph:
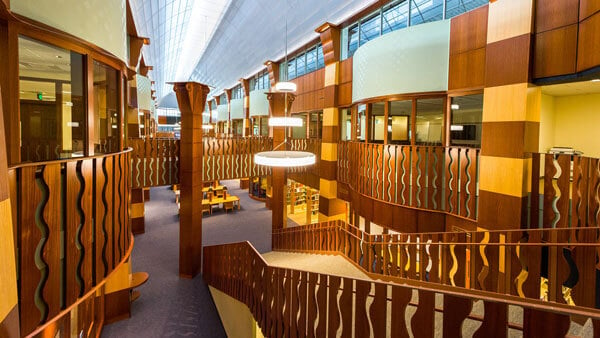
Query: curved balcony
(72, 232)
(443, 180)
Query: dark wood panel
(588, 48)
(9, 325)
(587, 8)
(467, 70)
(345, 94)
(507, 61)
(555, 52)
(499, 211)
(346, 71)
(551, 14)
(468, 31)
(509, 139)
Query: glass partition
(52, 102)
(429, 121)
(465, 129)
(399, 122)
(315, 128)
(377, 122)
(346, 124)
(106, 109)
(361, 122)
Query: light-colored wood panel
(329, 151)
(509, 18)
(8, 278)
(327, 188)
(509, 103)
(508, 176)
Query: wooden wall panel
(555, 52)
(345, 94)
(551, 14)
(498, 71)
(588, 50)
(467, 70)
(587, 8)
(346, 71)
(469, 31)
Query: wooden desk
(215, 189)
(217, 201)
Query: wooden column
(191, 98)
(273, 69)
(9, 309)
(246, 90)
(330, 207)
(278, 177)
(511, 115)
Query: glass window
(52, 102)
(352, 40)
(465, 129)
(311, 60)
(320, 59)
(300, 65)
(377, 122)
(457, 7)
(106, 109)
(430, 121)
(346, 125)
(426, 11)
(399, 122)
(300, 132)
(266, 84)
(316, 125)
(370, 29)
(361, 122)
(395, 17)
(291, 69)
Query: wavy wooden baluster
(378, 311)
(482, 263)
(495, 321)
(400, 298)
(361, 319)
(457, 310)
(311, 305)
(423, 321)
(52, 246)
(434, 255)
(537, 323)
(321, 301)
(452, 178)
(334, 314)
(345, 306)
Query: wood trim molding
(273, 69)
(330, 40)
(399, 97)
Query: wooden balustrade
(154, 162)
(294, 303)
(569, 190)
(426, 177)
(511, 262)
(232, 158)
(72, 231)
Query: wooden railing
(570, 190)
(294, 303)
(510, 262)
(72, 231)
(232, 158)
(154, 162)
(426, 177)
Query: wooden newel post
(191, 98)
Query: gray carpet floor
(170, 306)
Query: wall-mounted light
(72, 124)
(454, 106)
(456, 127)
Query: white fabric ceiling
(248, 33)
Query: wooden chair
(219, 193)
(228, 206)
(206, 208)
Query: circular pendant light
(285, 122)
(285, 158)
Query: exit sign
(40, 96)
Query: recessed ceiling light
(58, 57)
(596, 80)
